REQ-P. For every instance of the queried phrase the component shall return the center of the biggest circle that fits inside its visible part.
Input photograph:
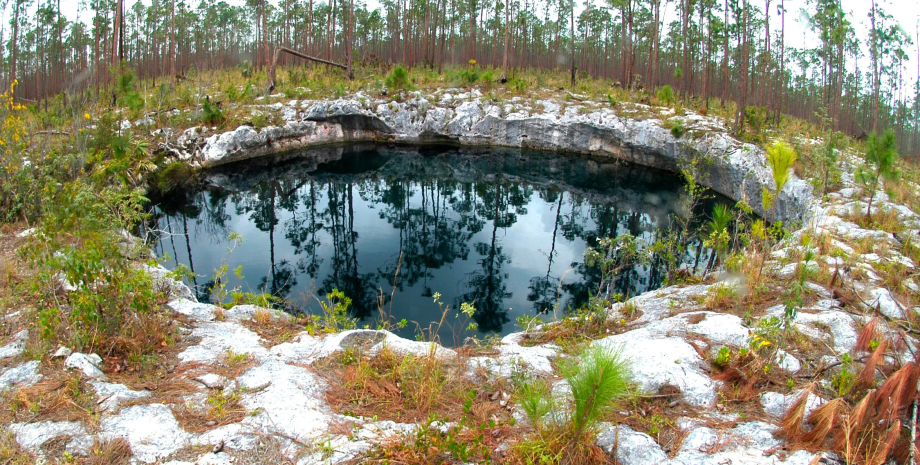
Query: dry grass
(11, 453)
(267, 450)
(403, 388)
(108, 452)
(60, 396)
(223, 407)
(273, 330)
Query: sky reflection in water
(502, 229)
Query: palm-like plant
(881, 154)
(781, 157)
(716, 232)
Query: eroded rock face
(726, 165)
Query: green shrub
(83, 243)
(881, 154)
(780, 157)
(534, 396)
(665, 95)
(600, 378)
(211, 113)
(398, 79)
(678, 129)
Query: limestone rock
(16, 347)
(881, 299)
(787, 362)
(62, 352)
(112, 395)
(656, 361)
(193, 309)
(162, 280)
(22, 375)
(88, 364)
(151, 430)
(31, 436)
(631, 447)
(737, 170)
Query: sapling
(602, 376)
(781, 157)
(881, 154)
(716, 233)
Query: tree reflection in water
(504, 230)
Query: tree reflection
(423, 215)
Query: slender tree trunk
(725, 59)
(685, 38)
(782, 62)
(707, 61)
(265, 52)
(652, 68)
(875, 79)
(766, 57)
(14, 49)
(572, 14)
(351, 39)
(742, 94)
(172, 42)
(504, 78)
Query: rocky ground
(276, 393)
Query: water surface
(504, 230)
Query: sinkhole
(408, 233)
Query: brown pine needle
(866, 336)
(866, 378)
(791, 423)
(824, 418)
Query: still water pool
(504, 230)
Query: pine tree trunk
(875, 79)
(14, 49)
(742, 94)
(572, 13)
(725, 59)
(766, 58)
(172, 42)
(504, 78)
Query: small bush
(211, 113)
(111, 306)
(602, 376)
(665, 95)
(678, 129)
(398, 79)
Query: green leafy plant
(678, 129)
(88, 294)
(881, 155)
(828, 159)
(780, 157)
(398, 79)
(723, 358)
(534, 397)
(211, 113)
(600, 378)
(612, 255)
(715, 232)
(665, 95)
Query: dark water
(504, 230)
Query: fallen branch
(279, 49)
